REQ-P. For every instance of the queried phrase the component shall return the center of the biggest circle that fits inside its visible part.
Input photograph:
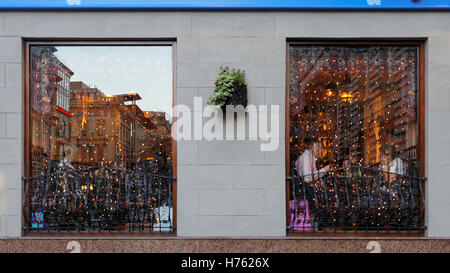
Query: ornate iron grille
(98, 199)
(361, 199)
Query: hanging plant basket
(230, 89)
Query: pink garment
(300, 216)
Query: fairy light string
(100, 162)
(358, 102)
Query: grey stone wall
(229, 188)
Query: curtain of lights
(357, 101)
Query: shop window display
(101, 146)
(354, 150)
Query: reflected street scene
(101, 155)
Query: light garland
(355, 101)
(101, 132)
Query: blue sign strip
(225, 4)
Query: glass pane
(102, 113)
(360, 103)
(354, 145)
(100, 106)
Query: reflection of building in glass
(158, 148)
(106, 130)
(76, 125)
(50, 117)
(160, 136)
(75, 129)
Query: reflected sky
(146, 70)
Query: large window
(355, 152)
(100, 148)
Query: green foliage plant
(225, 86)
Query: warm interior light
(345, 95)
